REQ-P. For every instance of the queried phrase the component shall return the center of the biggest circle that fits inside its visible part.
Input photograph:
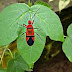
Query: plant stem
(6, 48)
(29, 3)
(3, 54)
(10, 52)
(56, 53)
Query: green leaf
(67, 48)
(2, 70)
(43, 3)
(8, 22)
(69, 30)
(17, 65)
(48, 24)
(67, 45)
(31, 53)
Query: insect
(30, 34)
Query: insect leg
(33, 22)
(24, 25)
(21, 35)
(37, 29)
(39, 37)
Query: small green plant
(67, 44)
(48, 24)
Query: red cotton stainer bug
(30, 34)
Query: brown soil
(58, 64)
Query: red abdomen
(30, 37)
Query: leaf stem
(29, 3)
(6, 48)
(56, 53)
(3, 54)
(10, 52)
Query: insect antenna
(35, 14)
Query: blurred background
(56, 4)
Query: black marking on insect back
(30, 41)
(29, 36)
(29, 28)
(32, 28)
